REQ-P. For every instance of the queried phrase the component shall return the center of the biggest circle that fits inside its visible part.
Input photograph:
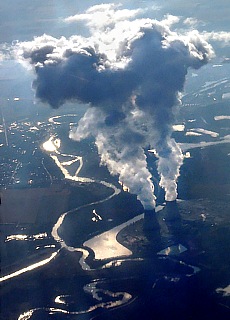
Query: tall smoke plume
(130, 71)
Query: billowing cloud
(131, 76)
(221, 36)
(191, 22)
(104, 15)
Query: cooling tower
(150, 220)
(172, 211)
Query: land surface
(190, 284)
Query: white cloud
(221, 36)
(192, 22)
(104, 16)
(170, 20)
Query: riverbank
(180, 273)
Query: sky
(23, 19)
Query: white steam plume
(130, 71)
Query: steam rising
(130, 71)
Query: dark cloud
(131, 73)
(76, 77)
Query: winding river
(104, 246)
